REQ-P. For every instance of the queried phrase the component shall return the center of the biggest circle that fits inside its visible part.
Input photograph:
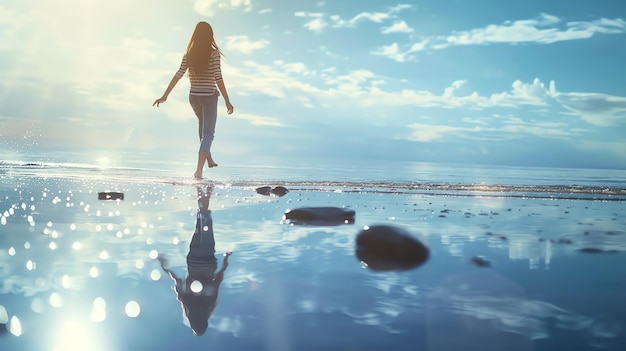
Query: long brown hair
(200, 48)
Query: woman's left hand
(229, 107)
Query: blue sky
(527, 83)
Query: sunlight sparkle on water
(67, 282)
(155, 274)
(77, 246)
(93, 272)
(104, 255)
(75, 335)
(196, 286)
(56, 300)
(98, 311)
(132, 309)
(4, 316)
(16, 326)
(103, 162)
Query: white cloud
(315, 25)
(544, 29)
(376, 17)
(207, 7)
(391, 51)
(534, 93)
(362, 89)
(427, 132)
(479, 129)
(243, 44)
(449, 91)
(594, 108)
(397, 27)
(257, 120)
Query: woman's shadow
(198, 291)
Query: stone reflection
(390, 248)
(198, 291)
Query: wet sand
(515, 272)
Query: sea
(519, 258)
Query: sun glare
(74, 336)
(103, 162)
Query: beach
(513, 268)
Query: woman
(202, 59)
(198, 291)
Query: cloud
(594, 108)
(316, 24)
(427, 132)
(257, 120)
(535, 319)
(319, 22)
(244, 45)
(397, 27)
(544, 29)
(494, 127)
(207, 7)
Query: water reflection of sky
(79, 272)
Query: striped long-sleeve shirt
(203, 83)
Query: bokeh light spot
(132, 309)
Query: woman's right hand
(160, 100)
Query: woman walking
(202, 60)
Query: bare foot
(197, 175)
(210, 161)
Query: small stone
(319, 216)
(480, 261)
(390, 248)
(279, 191)
(269, 191)
(110, 195)
(264, 190)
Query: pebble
(390, 248)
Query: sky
(522, 83)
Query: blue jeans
(205, 108)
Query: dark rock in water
(279, 191)
(565, 241)
(390, 248)
(480, 261)
(110, 195)
(269, 191)
(319, 216)
(596, 250)
(264, 190)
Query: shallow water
(80, 273)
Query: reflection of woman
(197, 293)
(202, 60)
